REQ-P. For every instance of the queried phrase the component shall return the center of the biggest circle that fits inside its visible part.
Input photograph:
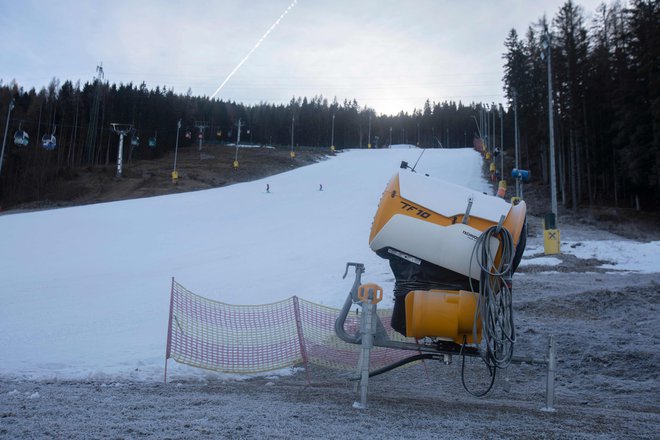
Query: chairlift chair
(21, 138)
(135, 141)
(49, 142)
(152, 142)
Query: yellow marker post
(235, 164)
(501, 189)
(551, 242)
(369, 145)
(175, 176)
(551, 235)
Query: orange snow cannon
(433, 233)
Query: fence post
(301, 336)
(169, 330)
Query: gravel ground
(607, 387)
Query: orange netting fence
(257, 338)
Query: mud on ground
(211, 167)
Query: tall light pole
(293, 119)
(477, 124)
(369, 135)
(176, 149)
(332, 138)
(4, 139)
(390, 136)
(494, 111)
(515, 136)
(238, 141)
(547, 44)
(501, 143)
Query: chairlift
(219, 134)
(152, 141)
(135, 141)
(49, 142)
(21, 138)
(188, 134)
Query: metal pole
(501, 143)
(369, 135)
(332, 140)
(4, 139)
(293, 118)
(553, 180)
(120, 153)
(550, 380)
(486, 131)
(390, 136)
(176, 147)
(515, 115)
(477, 124)
(238, 139)
(494, 130)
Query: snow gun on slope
(452, 251)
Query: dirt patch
(211, 167)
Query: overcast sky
(389, 55)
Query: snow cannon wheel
(445, 314)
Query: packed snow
(85, 290)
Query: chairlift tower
(201, 125)
(122, 130)
(90, 143)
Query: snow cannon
(445, 243)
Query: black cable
(402, 362)
(491, 371)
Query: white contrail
(254, 48)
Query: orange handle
(375, 290)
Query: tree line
(80, 117)
(606, 107)
(606, 101)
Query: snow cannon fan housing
(427, 228)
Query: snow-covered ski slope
(84, 291)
